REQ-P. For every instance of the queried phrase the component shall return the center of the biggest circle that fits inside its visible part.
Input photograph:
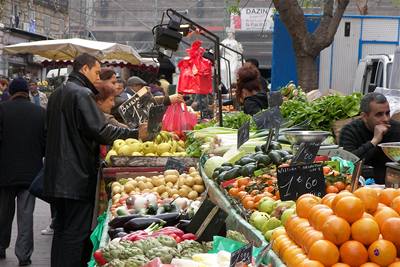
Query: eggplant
(141, 223)
(171, 218)
(183, 224)
(120, 234)
(113, 232)
(121, 220)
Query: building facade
(25, 21)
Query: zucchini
(245, 160)
(248, 170)
(275, 145)
(275, 157)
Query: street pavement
(42, 243)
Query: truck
(359, 59)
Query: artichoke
(112, 251)
(166, 240)
(147, 244)
(166, 254)
(115, 263)
(136, 261)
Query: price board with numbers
(296, 180)
(242, 255)
(306, 153)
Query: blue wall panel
(283, 58)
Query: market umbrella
(68, 49)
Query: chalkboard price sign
(136, 109)
(175, 164)
(243, 134)
(294, 181)
(306, 153)
(270, 118)
(242, 255)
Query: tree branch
(292, 16)
(323, 36)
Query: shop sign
(254, 19)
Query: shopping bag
(36, 187)
(178, 119)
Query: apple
(258, 219)
(125, 150)
(117, 144)
(271, 224)
(287, 214)
(130, 141)
(267, 205)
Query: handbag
(37, 186)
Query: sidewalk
(42, 243)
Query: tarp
(68, 49)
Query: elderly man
(134, 84)
(362, 136)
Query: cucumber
(245, 160)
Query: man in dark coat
(76, 127)
(22, 147)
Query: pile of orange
(344, 229)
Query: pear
(109, 154)
(125, 150)
(136, 147)
(149, 147)
(267, 205)
(117, 144)
(271, 224)
(130, 141)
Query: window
(46, 23)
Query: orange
(365, 230)
(340, 185)
(315, 209)
(331, 189)
(310, 238)
(349, 208)
(385, 213)
(391, 230)
(353, 253)
(339, 196)
(367, 215)
(340, 264)
(310, 263)
(304, 205)
(296, 261)
(336, 229)
(321, 217)
(309, 195)
(369, 197)
(395, 264)
(369, 264)
(291, 253)
(325, 252)
(277, 232)
(382, 252)
(396, 204)
(328, 198)
(387, 195)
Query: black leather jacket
(76, 127)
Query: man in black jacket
(362, 136)
(76, 127)
(22, 146)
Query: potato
(165, 195)
(188, 188)
(154, 181)
(181, 181)
(192, 195)
(142, 185)
(198, 188)
(198, 180)
(130, 179)
(173, 191)
(117, 189)
(134, 183)
(161, 189)
(189, 181)
(194, 174)
(141, 179)
(154, 189)
(128, 187)
(148, 180)
(183, 192)
(147, 190)
(171, 172)
(192, 169)
(170, 185)
(175, 196)
(171, 178)
(149, 185)
(115, 184)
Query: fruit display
(342, 229)
(336, 181)
(165, 144)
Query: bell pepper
(99, 258)
(170, 230)
(189, 236)
(137, 235)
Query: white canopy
(68, 49)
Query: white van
(373, 71)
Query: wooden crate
(142, 161)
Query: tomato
(242, 194)
(332, 189)
(243, 181)
(270, 182)
(326, 170)
(249, 204)
(234, 191)
(269, 189)
(340, 185)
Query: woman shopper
(249, 91)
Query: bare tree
(307, 46)
(362, 6)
